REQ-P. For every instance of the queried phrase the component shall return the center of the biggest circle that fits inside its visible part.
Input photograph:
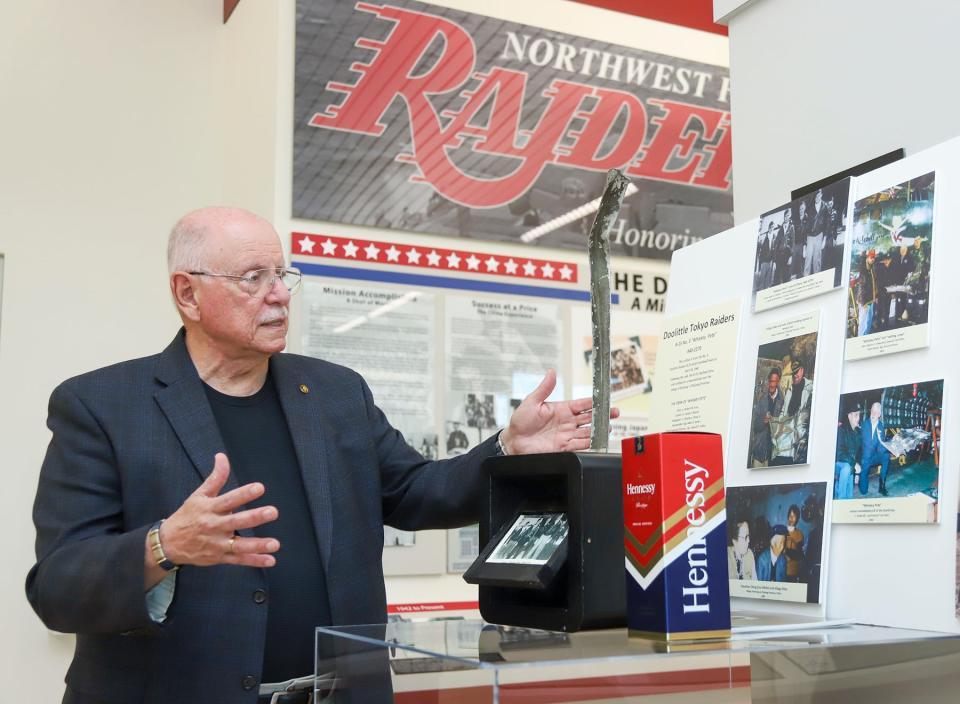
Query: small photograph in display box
(800, 247)
(887, 463)
(775, 541)
(532, 539)
(783, 392)
(890, 262)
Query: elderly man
(200, 510)
(772, 564)
(740, 561)
(873, 434)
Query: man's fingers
(252, 560)
(218, 476)
(581, 405)
(251, 518)
(582, 432)
(251, 552)
(235, 498)
(577, 445)
(543, 391)
(253, 546)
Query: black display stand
(581, 589)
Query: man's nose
(278, 292)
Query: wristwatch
(156, 549)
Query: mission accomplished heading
(699, 326)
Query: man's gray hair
(185, 245)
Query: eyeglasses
(259, 282)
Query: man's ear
(185, 295)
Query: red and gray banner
(418, 117)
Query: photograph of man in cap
(772, 563)
(797, 401)
(849, 448)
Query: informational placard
(387, 336)
(776, 540)
(800, 247)
(696, 363)
(783, 392)
(496, 352)
(888, 454)
(890, 266)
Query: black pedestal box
(582, 585)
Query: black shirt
(258, 444)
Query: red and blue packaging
(675, 537)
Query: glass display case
(469, 661)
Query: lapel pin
(304, 389)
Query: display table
(467, 661)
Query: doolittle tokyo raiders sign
(418, 117)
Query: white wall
(118, 117)
(821, 85)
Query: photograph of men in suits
(200, 510)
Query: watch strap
(156, 549)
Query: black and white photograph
(775, 537)
(532, 539)
(800, 247)
(472, 418)
(887, 464)
(782, 400)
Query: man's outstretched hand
(203, 530)
(541, 426)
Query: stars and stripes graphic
(363, 250)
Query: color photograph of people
(802, 238)
(888, 442)
(532, 539)
(628, 366)
(782, 401)
(889, 284)
(775, 534)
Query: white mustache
(274, 316)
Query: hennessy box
(674, 519)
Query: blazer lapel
(306, 420)
(186, 407)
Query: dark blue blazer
(871, 444)
(132, 441)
